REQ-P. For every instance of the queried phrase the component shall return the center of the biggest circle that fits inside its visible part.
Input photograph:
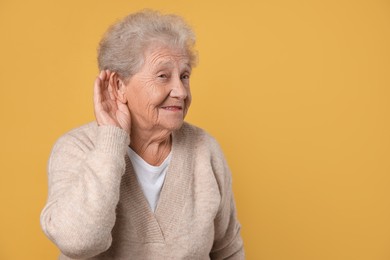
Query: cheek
(147, 101)
(189, 97)
(156, 97)
(139, 95)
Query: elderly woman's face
(159, 95)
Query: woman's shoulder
(87, 130)
(194, 132)
(199, 137)
(81, 136)
(205, 149)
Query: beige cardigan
(97, 210)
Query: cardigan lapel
(141, 216)
(176, 185)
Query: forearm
(230, 244)
(83, 194)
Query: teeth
(171, 108)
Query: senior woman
(140, 183)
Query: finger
(97, 95)
(107, 78)
(99, 86)
(112, 88)
(102, 75)
(111, 92)
(104, 85)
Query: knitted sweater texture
(97, 210)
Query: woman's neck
(152, 146)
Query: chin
(172, 126)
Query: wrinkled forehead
(167, 57)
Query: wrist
(112, 139)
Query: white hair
(122, 47)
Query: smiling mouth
(172, 108)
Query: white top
(150, 178)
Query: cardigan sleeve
(228, 243)
(84, 178)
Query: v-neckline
(157, 226)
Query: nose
(178, 89)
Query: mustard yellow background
(296, 92)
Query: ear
(118, 87)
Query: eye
(163, 76)
(185, 76)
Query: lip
(172, 108)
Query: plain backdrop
(296, 92)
